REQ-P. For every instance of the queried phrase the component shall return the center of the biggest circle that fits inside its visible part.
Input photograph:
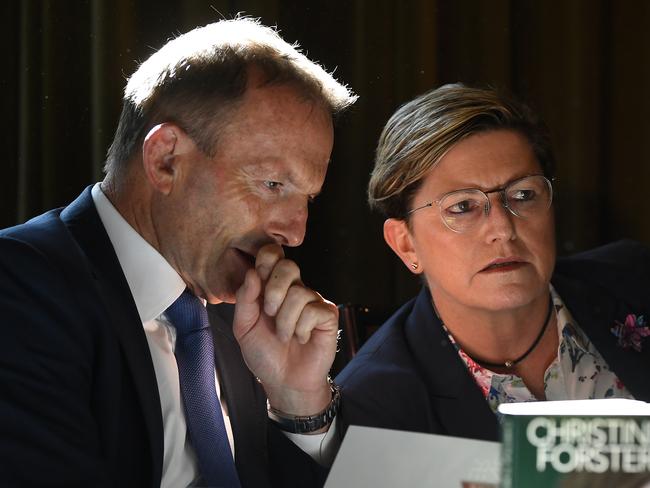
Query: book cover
(576, 444)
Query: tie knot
(187, 314)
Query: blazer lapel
(457, 400)
(245, 399)
(83, 221)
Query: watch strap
(307, 423)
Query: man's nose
(289, 224)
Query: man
(224, 138)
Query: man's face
(460, 267)
(271, 158)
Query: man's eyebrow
(295, 178)
(296, 184)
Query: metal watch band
(308, 423)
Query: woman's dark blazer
(408, 376)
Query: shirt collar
(154, 284)
(567, 328)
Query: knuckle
(273, 294)
(268, 255)
(288, 268)
(318, 311)
(298, 292)
(281, 323)
(271, 250)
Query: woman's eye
(462, 207)
(523, 195)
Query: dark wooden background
(583, 64)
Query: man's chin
(226, 291)
(227, 299)
(229, 274)
(214, 298)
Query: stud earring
(415, 266)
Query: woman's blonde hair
(421, 132)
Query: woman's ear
(160, 156)
(398, 236)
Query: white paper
(381, 458)
(600, 407)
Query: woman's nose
(499, 223)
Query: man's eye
(272, 185)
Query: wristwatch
(307, 423)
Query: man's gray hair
(197, 78)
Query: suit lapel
(245, 399)
(458, 403)
(84, 223)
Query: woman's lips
(503, 265)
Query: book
(383, 458)
(576, 444)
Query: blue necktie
(195, 359)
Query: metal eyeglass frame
(488, 206)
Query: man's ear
(398, 236)
(160, 151)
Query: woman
(464, 177)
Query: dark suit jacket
(79, 402)
(408, 376)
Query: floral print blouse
(578, 371)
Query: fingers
(320, 315)
(297, 300)
(297, 309)
(247, 308)
(279, 275)
(266, 259)
(284, 277)
(303, 311)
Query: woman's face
(504, 261)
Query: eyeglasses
(461, 210)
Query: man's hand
(287, 334)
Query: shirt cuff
(322, 448)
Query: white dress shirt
(155, 285)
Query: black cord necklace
(513, 362)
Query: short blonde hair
(423, 130)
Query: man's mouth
(248, 257)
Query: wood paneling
(583, 64)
